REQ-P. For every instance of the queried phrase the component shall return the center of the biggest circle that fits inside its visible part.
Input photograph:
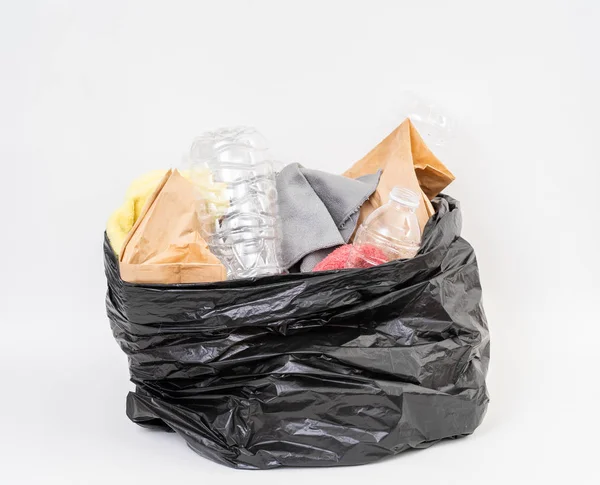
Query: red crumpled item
(363, 256)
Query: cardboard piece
(405, 160)
(165, 244)
(122, 220)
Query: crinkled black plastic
(321, 369)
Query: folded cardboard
(165, 244)
(406, 161)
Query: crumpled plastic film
(312, 369)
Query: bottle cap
(405, 197)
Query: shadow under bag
(315, 369)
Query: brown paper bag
(165, 244)
(405, 160)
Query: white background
(92, 94)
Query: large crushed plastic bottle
(244, 235)
(391, 232)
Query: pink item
(366, 256)
(338, 258)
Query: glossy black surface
(317, 369)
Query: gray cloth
(318, 212)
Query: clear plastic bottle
(245, 234)
(391, 232)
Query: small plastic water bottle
(245, 235)
(391, 232)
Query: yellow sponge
(123, 219)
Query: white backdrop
(92, 94)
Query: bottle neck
(405, 197)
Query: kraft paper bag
(405, 160)
(165, 244)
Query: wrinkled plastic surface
(312, 369)
(433, 125)
(246, 236)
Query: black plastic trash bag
(319, 369)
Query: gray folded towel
(318, 212)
